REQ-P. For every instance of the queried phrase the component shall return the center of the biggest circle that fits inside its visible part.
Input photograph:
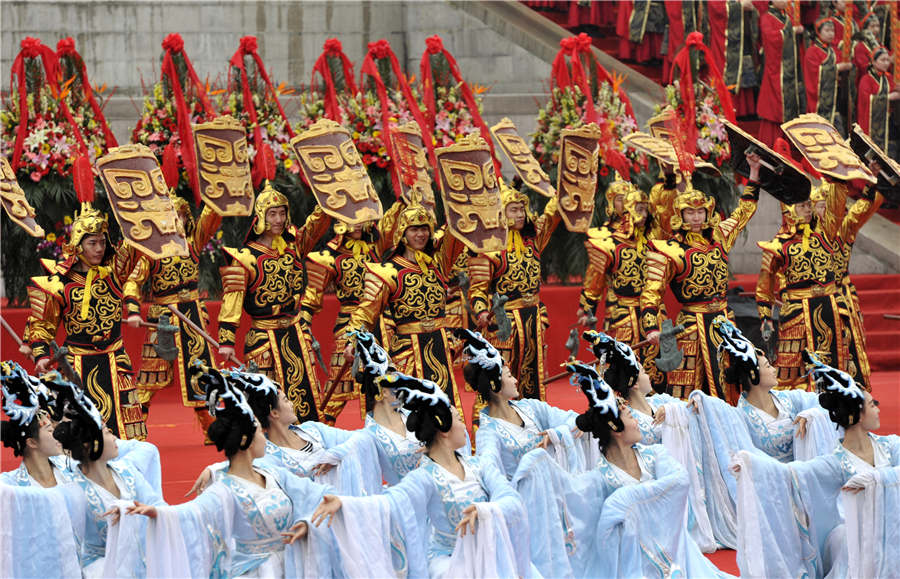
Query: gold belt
(421, 326)
(81, 351)
(523, 302)
(631, 302)
(274, 324)
(348, 309)
(184, 295)
(809, 292)
(706, 307)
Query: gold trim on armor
(93, 352)
(182, 296)
(420, 326)
(523, 302)
(705, 307)
(274, 324)
(810, 292)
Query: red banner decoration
(81, 169)
(174, 44)
(382, 49)
(573, 48)
(65, 48)
(333, 49)
(435, 45)
(248, 47)
(683, 62)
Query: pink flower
(35, 176)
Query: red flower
(65, 47)
(380, 48)
(434, 44)
(448, 106)
(248, 44)
(173, 43)
(604, 171)
(31, 47)
(333, 46)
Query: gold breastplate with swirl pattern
(104, 314)
(418, 297)
(705, 275)
(279, 279)
(814, 265)
(522, 276)
(348, 283)
(173, 273)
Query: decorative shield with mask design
(411, 165)
(777, 175)
(223, 164)
(140, 201)
(576, 181)
(471, 194)
(14, 202)
(822, 145)
(336, 173)
(889, 176)
(660, 127)
(519, 154)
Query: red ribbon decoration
(333, 48)
(682, 61)
(66, 48)
(382, 49)
(82, 175)
(248, 47)
(434, 45)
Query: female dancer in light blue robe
(240, 525)
(453, 515)
(509, 428)
(792, 516)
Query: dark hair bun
(482, 381)
(231, 436)
(842, 410)
(14, 435)
(80, 438)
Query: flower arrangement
(157, 127)
(274, 126)
(50, 146)
(51, 246)
(712, 139)
(452, 119)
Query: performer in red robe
(781, 96)
(876, 91)
(640, 27)
(866, 43)
(733, 44)
(821, 75)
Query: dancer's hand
(329, 506)
(694, 404)
(141, 509)
(659, 416)
(322, 468)
(545, 440)
(800, 423)
(298, 531)
(113, 515)
(577, 433)
(470, 515)
(348, 350)
(134, 320)
(201, 483)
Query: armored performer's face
(820, 209)
(694, 218)
(640, 213)
(515, 215)
(417, 236)
(276, 217)
(93, 248)
(804, 211)
(619, 204)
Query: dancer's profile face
(768, 377)
(258, 446)
(643, 382)
(869, 418)
(509, 386)
(457, 433)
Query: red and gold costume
(174, 280)
(732, 45)
(268, 283)
(93, 327)
(862, 53)
(343, 264)
(781, 96)
(860, 212)
(409, 299)
(615, 271)
(516, 273)
(798, 267)
(695, 266)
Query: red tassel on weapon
(263, 165)
(170, 166)
(83, 178)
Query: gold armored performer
(694, 264)
(91, 267)
(516, 273)
(407, 294)
(343, 265)
(266, 280)
(615, 275)
(174, 281)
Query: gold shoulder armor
(386, 272)
(322, 258)
(51, 266)
(243, 256)
(667, 248)
(773, 246)
(234, 278)
(49, 284)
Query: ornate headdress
(618, 187)
(819, 192)
(624, 367)
(485, 357)
(259, 390)
(371, 363)
(84, 424)
(425, 401)
(413, 215)
(838, 393)
(227, 403)
(738, 357)
(692, 198)
(603, 407)
(268, 198)
(89, 221)
(182, 206)
(20, 403)
(512, 195)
